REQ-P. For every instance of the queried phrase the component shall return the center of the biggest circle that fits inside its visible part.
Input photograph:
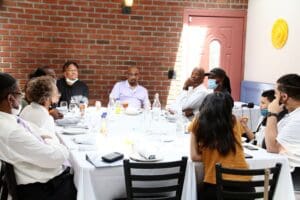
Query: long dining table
(129, 133)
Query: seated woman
(218, 80)
(41, 92)
(38, 72)
(216, 138)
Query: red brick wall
(102, 40)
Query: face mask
(264, 112)
(15, 111)
(212, 84)
(71, 82)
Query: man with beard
(284, 137)
(130, 91)
(192, 95)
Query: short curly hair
(40, 89)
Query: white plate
(137, 157)
(133, 111)
(74, 131)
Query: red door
(216, 41)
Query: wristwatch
(272, 114)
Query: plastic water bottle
(156, 107)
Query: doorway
(215, 39)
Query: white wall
(263, 62)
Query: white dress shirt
(39, 115)
(34, 159)
(190, 99)
(289, 136)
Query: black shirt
(79, 92)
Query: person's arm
(250, 135)
(271, 130)
(195, 152)
(29, 149)
(194, 100)
(115, 93)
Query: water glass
(72, 107)
(64, 105)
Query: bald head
(198, 75)
(133, 76)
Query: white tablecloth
(108, 183)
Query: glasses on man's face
(72, 70)
(20, 94)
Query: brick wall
(102, 40)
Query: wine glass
(125, 104)
(72, 107)
(64, 106)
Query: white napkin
(146, 151)
(84, 139)
(66, 121)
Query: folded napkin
(146, 154)
(84, 139)
(67, 121)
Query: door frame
(213, 13)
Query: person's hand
(274, 106)
(56, 114)
(244, 121)
(189, 82)
(188, 112)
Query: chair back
(154, 180)
(8, 182)
(263, 180)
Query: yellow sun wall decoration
(279, 33)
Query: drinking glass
(72, 107)
(98, 105)
(64, 105)
(125, 104)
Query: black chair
(265, 183)
(154, 180)
(8, 182)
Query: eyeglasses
(72, 70)
(21, 94)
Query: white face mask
(15, 111)
(71, 82)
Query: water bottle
(156, 107)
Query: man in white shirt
(37, 159)
(130, 91)
(192, 95)
(284, 137)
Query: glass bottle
(156, 107)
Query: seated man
(70, 87)
(130, 91)
(192, 95)
(37, 158)
(283, 136)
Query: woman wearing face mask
(70, 87)
(218, 80)
(41, 92)
(266, 98)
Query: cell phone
(247, 156)
(112, 157)
(251, 148)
